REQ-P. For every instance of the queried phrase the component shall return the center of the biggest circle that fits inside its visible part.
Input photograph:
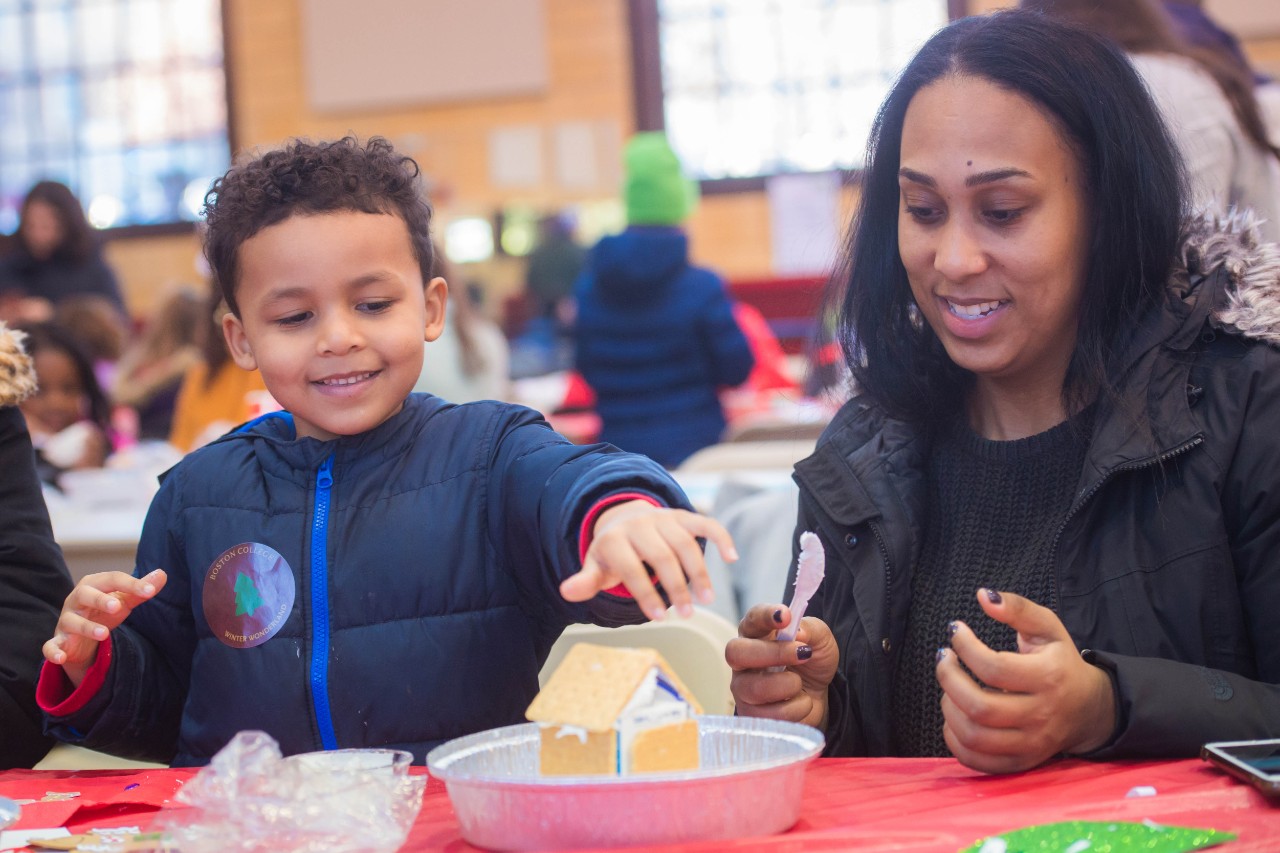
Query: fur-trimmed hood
(17, 376)
(1249, 303)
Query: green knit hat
(655, 190)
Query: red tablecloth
(869, 804)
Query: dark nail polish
(777, 616)
(994, 597)
(804, 652)
(942, 652)
(952, 627)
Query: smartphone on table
(1254, 761)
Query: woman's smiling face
(993, 231)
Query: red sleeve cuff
(56, 696)
(587, 531)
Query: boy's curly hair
(309, 178)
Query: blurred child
(68, 416)
(215, 394)
(656, 336)
(100, 327)
(369, 567)
(151, 370)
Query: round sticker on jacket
(248, 593)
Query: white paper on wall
(804, 210)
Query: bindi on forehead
(969, 163)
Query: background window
(747, 88)
(122, 100)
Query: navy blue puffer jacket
(414, 598)
(656, 339)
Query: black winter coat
(33, 578)
(1167, 566)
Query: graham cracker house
(613, 711)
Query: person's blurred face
(993, 231)
(334, 312)
(60, 400)
(41, 229)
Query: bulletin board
(375, 54)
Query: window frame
(185, 227)
(647, 89)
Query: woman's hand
(797, 693)
(1040, 701)
(634, 536)
(97, 605)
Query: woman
(1050, 518)
(1206, 99)
(56, 256)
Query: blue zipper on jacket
(320, 605)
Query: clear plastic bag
(251, 799)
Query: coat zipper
(888, 578)
(1084, 499)
(320, 605)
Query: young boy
(369, 567)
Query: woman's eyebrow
(916, 177)
(988, 177)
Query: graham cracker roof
(593, 684)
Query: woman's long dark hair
(1134, 190)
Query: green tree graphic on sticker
(248, 599)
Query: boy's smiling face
(334, 314)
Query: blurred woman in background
(56, 256)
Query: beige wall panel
(148, 267)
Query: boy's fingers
(52, 650)
(584, 584)
(594, 577)
(652, 547)
(692, 562)
(708, 528)
(74, 625)
(87, 599)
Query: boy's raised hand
(97, 605)
(632, 534)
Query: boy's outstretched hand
(632, 534)
(98, 604)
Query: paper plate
(750, 784)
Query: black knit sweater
(994, 510)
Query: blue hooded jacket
(414, 598)
(656, 339)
